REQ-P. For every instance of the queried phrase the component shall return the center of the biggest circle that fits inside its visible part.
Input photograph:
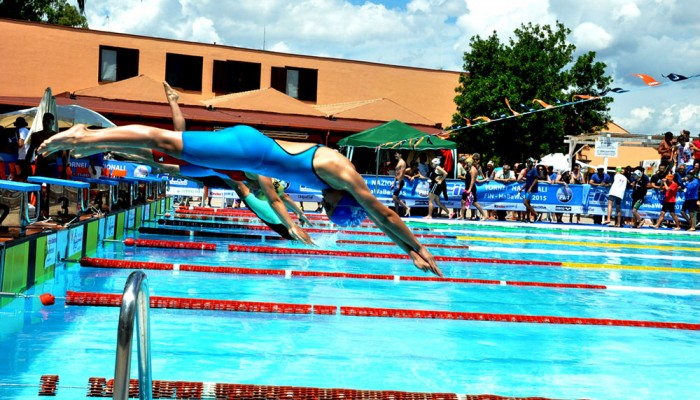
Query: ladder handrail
(135, 300)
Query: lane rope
(124, 264)
(114, 300)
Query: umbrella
(47, 104)
(66, 116)
(558, 161)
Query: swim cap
(348, 212)
(436, 161)
(638, 174)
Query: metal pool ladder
(134, 301)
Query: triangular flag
(542, 103)
(511, 109)
(675, 77)
(647, 79)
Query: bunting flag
(648, 79)
(511, 109)
(614, 90)
(584, 96)
(575, 100)
(542, 103)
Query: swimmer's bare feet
(172, 95)
(62, 141)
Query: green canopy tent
(395, 135)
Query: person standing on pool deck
(346, 197)
(670, 188)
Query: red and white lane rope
(126, 264)
(114, 300)
(169, 244)
(162, 389)
(338, 253)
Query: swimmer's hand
(299, 234)
(424, 261)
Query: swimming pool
(511, 270)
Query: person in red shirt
(695, 147)
(670, 188)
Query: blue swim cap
(348, 212)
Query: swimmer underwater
(346, 197)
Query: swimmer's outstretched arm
(292, 205)
(339, 172)
(280, 209)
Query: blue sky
(654, 37)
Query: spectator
(666, 151)
(8, 153)
(689, 209)
(615, 196)
(695, 147)
(600, 178)
(23, 166)
(530, 187)
(670, 188)
(640, 185)
(505, 175)
(684, 151)
(397, 185)
(476, 176)
(575, 177)
(437, 177)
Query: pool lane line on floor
(591, 243)
(374, 243)
(485, 260)
(222, 225)
(573, 236)
(540, 227)
(115, 300)
(288, 273)
(584, 253)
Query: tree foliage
(537, 63)
(57, 12)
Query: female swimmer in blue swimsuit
(346, 197)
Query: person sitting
(346, 197)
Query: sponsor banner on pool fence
(554, 198)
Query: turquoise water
(464, 357)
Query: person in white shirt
(615, 195)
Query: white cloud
(626, 12)
(591, 36)
(203, 31)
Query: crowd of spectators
(678, 171)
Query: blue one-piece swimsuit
(245, 148)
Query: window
(235, 76)
(184, 72)
(300, 83)
(117, 63)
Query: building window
(300, 83)
(235, 76)
(118, 63)
(184, 72)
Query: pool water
(649, 276)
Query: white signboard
(604, 147)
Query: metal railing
(134, 301)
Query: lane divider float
(126, 264)
(358, 254)
(114, 300)
(169, 244)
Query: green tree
(57, 12)
(537, 63)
